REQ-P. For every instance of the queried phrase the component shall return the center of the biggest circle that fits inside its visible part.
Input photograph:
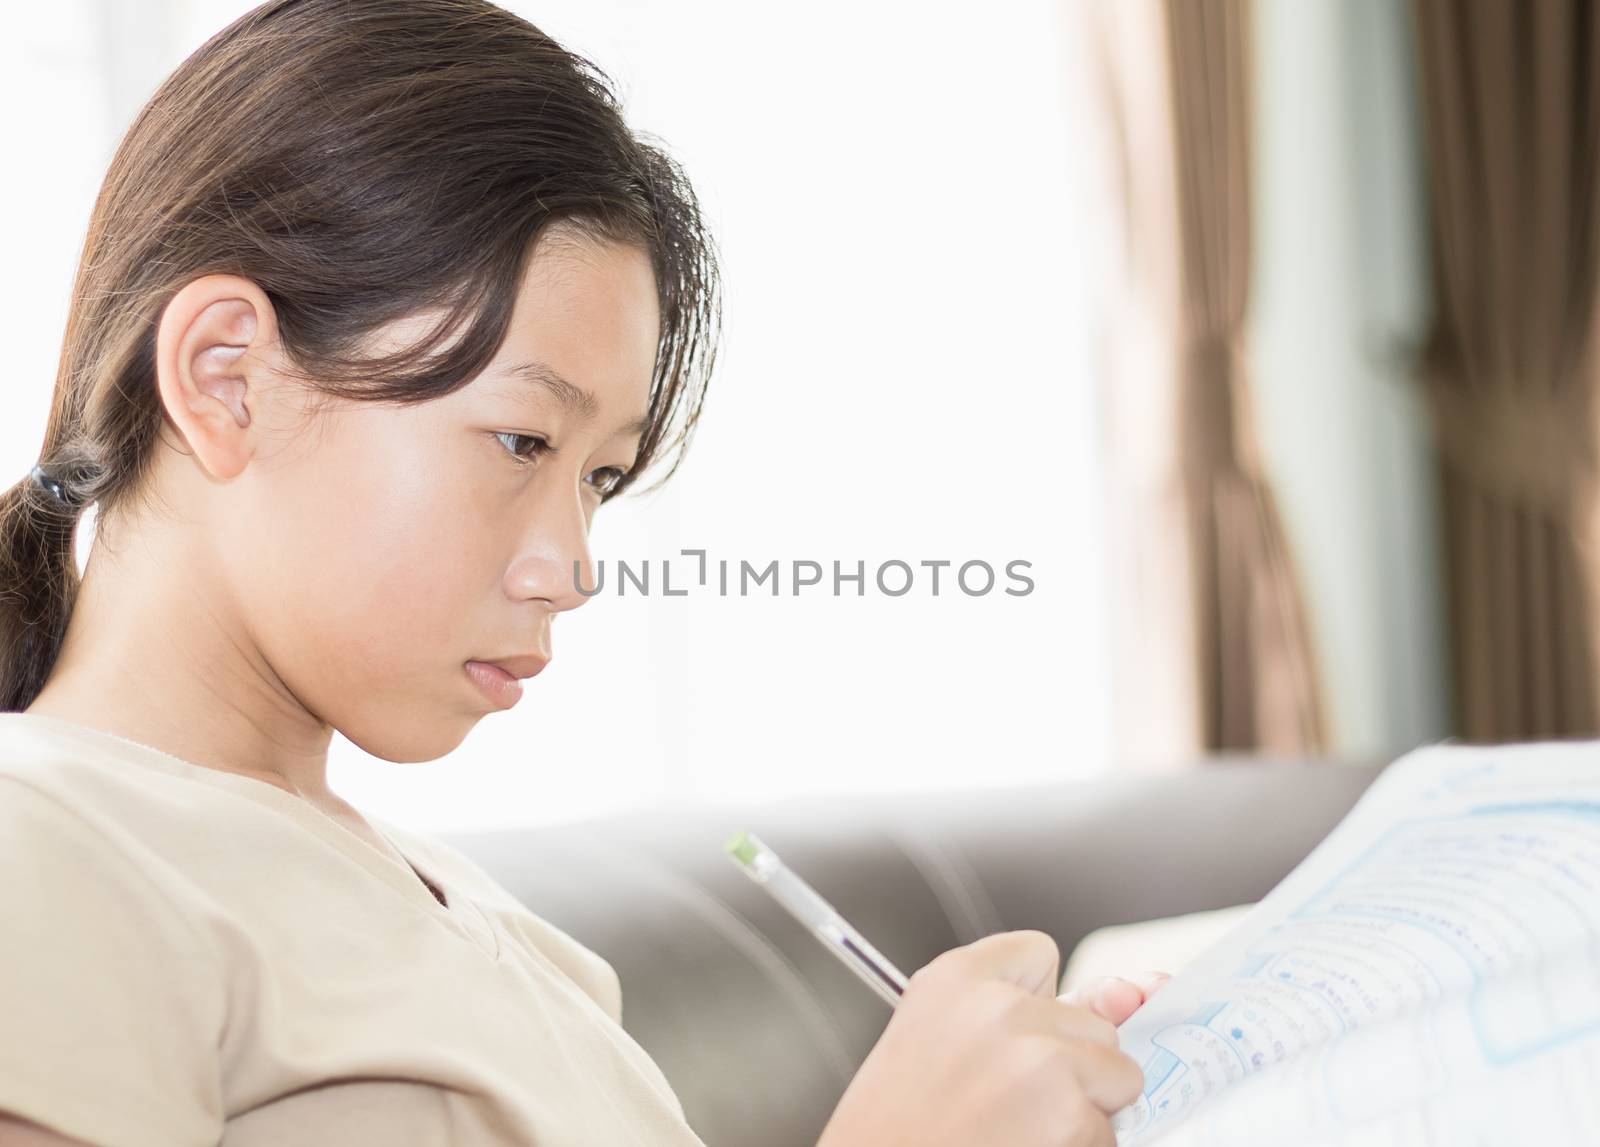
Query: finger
(1026, 957)
(1110, 997)
(1081, 996)
(1151, 982)
(1080, 1023)
(1108, 1076)
(1089, 1125)
(1116, 999)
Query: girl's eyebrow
(570, 396)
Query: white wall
(905, 376)
(1339, 291)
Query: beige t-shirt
(190, 957)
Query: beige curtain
(1210, 638)
(1511, 98)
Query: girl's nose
(555, 565)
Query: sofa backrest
(760, 1029)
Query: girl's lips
(500, 687)
(525, 665)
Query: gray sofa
(760, 1029)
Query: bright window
(906, 376)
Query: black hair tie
(55, 487)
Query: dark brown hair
(360, 161)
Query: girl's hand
(981, 1050)
(1114, 998)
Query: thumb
(1152, 982)
(1111, 998)
(1027, 957)
(1115, 998)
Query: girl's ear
(214, 349)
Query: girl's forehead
(589, 321)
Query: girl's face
(376, 550)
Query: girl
(379, 303)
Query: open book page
(1429, 974)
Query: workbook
(1429, 975)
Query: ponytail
(38, 578)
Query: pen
(762, 865)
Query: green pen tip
(742, 848)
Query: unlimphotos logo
(893, 578)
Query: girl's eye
(529, 448)
(607, 478)
(527, 454)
